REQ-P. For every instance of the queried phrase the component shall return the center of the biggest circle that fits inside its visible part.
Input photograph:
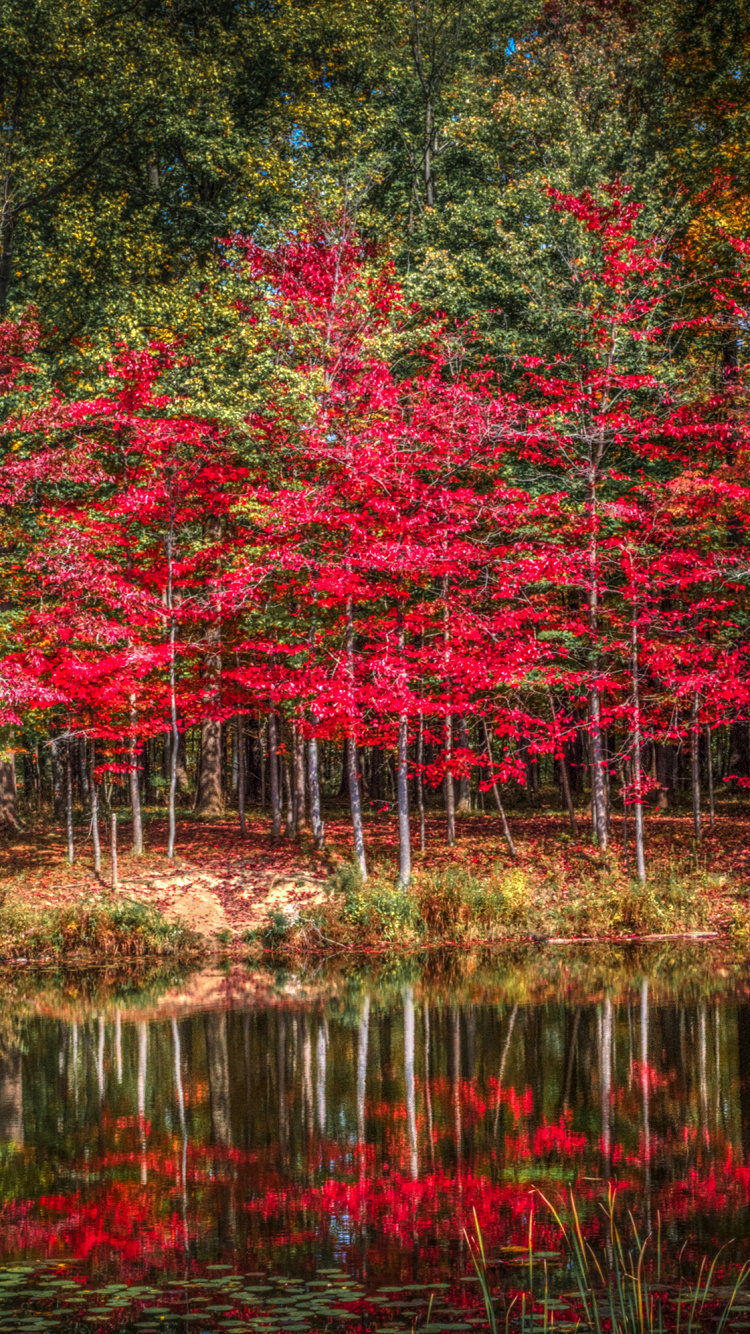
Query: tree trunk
(8, 788)
(402, 773)
(695, 765)
(354, 798)
(464, 783)
(69, 801)
(95, 814)
(660, 774)
(273, 759)
(209, 801)
(240, 744)
(640, 859)
(496, 794)
(286, 783)
(561, 760)
(402, 783)
(57, 787)
(449, 795)
(448, 792)
(420, 782)
(318, 828)
(710, 768)
(135, 791)
(598, 795)
(300, 805)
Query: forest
(374, 425)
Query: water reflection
(365, 1127)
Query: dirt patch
(237, 900)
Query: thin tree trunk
(354, 798)
(113, 849)
(57, 794)
(95, 814)
(174, 736)
(404, 834)
(402, 777)
(640, 859)
(464, 782)
(496, 794)
(420, 782)
(240, 741)
(710, 767)
(135, 791)
(273, 757)
(298, 746)
(286, 783)
(449, 794)
(318, 828)
(598, 795)
(563, 768)
(695, 733)
(69, 801)
(448, 789)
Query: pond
(304, 1152)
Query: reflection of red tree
(339, 1189)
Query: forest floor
(228, 891)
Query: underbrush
(610, 902)
(511, 903)
(111, 928)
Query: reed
(624, 1291)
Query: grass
(106, 927)
(453, 905)
(627, 1290)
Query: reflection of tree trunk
(307, 1087)
(364, 1031)
(142, 1059)
(606, 1078)
(217, 1052)
(457, 1082)
(743, 1053)
(100, 1060)
(702, 1075)
(411, 1109)
(646, 1122)
(427, 1092)
(320, 1074)
(281, 1079)
(572, 1049)
(503, 1059)
(11, 1097)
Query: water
(329, 1139)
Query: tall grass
(624, 1292)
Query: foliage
(115, 928)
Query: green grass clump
(110, 928)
